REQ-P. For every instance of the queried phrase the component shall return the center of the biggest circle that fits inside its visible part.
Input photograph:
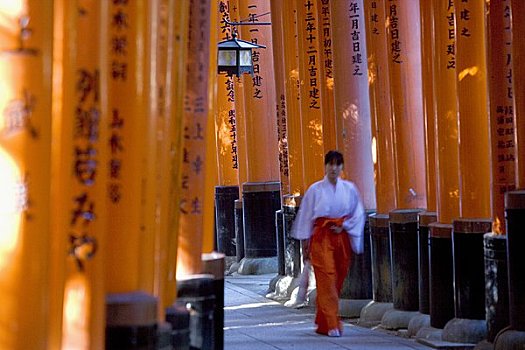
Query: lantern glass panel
(245, 57)
(227, 58)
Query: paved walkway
(256, 323)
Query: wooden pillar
(178, 19)
(26, 38)
(259, 97)
(149, 23)
(518, 70)
(240, 116)
(278, 29)
(403, 35)
(380, 107)
(128, 106)
(194, 141)
(427, 57)
(293, 98)
(474, 148)
(162, 168)
(167, 107)
(311, 93)
(81, 136)
(445, 109)
(326, 72)
(225, 118)
(210, 181)
(441, 278)
(499, 65)
(211, 166)
(352, 96)
(240, 124)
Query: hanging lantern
(234, 56)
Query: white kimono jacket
(322, 199)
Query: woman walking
(330, 223)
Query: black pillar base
(404, 252)
(441, 276)
(356, 292)
(358, 282)
(179, 319)
(468, 325)
(380, 252)
(279, 236)
(197, 294)
(510, 340)
(292, 246)
(372, 314)
(469, 271)
(425, 219)
(225, 197)
(260, 202)
(213, 264)
(131, 321)
(515, 218)
(239, 231)
(496, 284)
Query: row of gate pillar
(465, 275)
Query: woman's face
(333, 171)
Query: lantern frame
(234, 56)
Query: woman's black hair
(333, 157)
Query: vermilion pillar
(293, 95)
(171, 35)
(240, 124)
(194, 142)
(380, 107)
(81, 145)
(26, 33)
(162, 168)
(211, 165)
(280, 91)
(259, 96)
(499, 65)
(151, 182)
(225, 140)
(404, 51)
(447, 154)
(518, 69)
(445, 109)
(352, 96)
(240, 115)
(474, 147)
(427, 57)
(474, 171)
(225, 116)
(327, 75)
(308, 30)
(176, 72)
(126, 144)
(383, 159)
(261, 193)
